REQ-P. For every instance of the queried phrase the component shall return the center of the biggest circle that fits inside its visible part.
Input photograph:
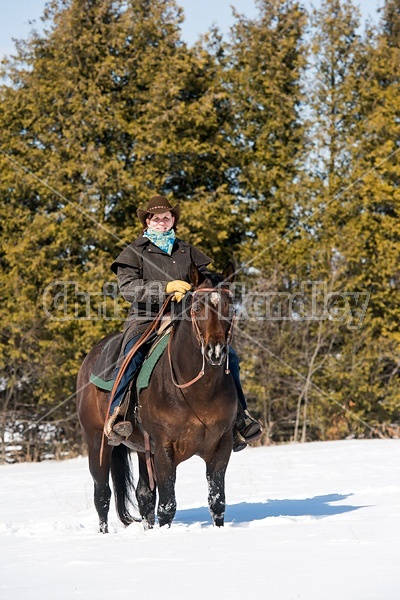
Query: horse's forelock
(212, 280)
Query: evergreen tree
(353, 243)
(337, 64)
(370, 244)
(267, 59)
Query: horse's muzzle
(215, 354)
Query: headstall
(200, 339)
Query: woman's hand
(178, 288)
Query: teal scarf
(162, 239)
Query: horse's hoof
(103, 528)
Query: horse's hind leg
(100, 474)
(146, 498)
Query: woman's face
(161, 222)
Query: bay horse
(189, 408)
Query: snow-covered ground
(317, 521)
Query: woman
(152, 267)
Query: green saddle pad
(107, 386)
(145, 371)
(150, 362)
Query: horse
(189, 408)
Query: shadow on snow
(245, 512)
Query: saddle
(103, 370)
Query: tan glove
(178, 288)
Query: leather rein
(200, 339)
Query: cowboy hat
(158, 205)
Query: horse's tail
(124, 487)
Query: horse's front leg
(146, 498)
(165, 468)
(216, 469)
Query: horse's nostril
(216, 352)
(209, 350)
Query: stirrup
(247, 425)
(108, 425)
(112, 420)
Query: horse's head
(212, 312)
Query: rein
(200, 339)
(198, 376)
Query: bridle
(200, 339)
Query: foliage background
(282, 145)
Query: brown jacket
(143, 271)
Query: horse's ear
(228, 274)
(196, 276)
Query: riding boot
(113, 439)
(116, 431)
(246, 429)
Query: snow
(317, 521)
